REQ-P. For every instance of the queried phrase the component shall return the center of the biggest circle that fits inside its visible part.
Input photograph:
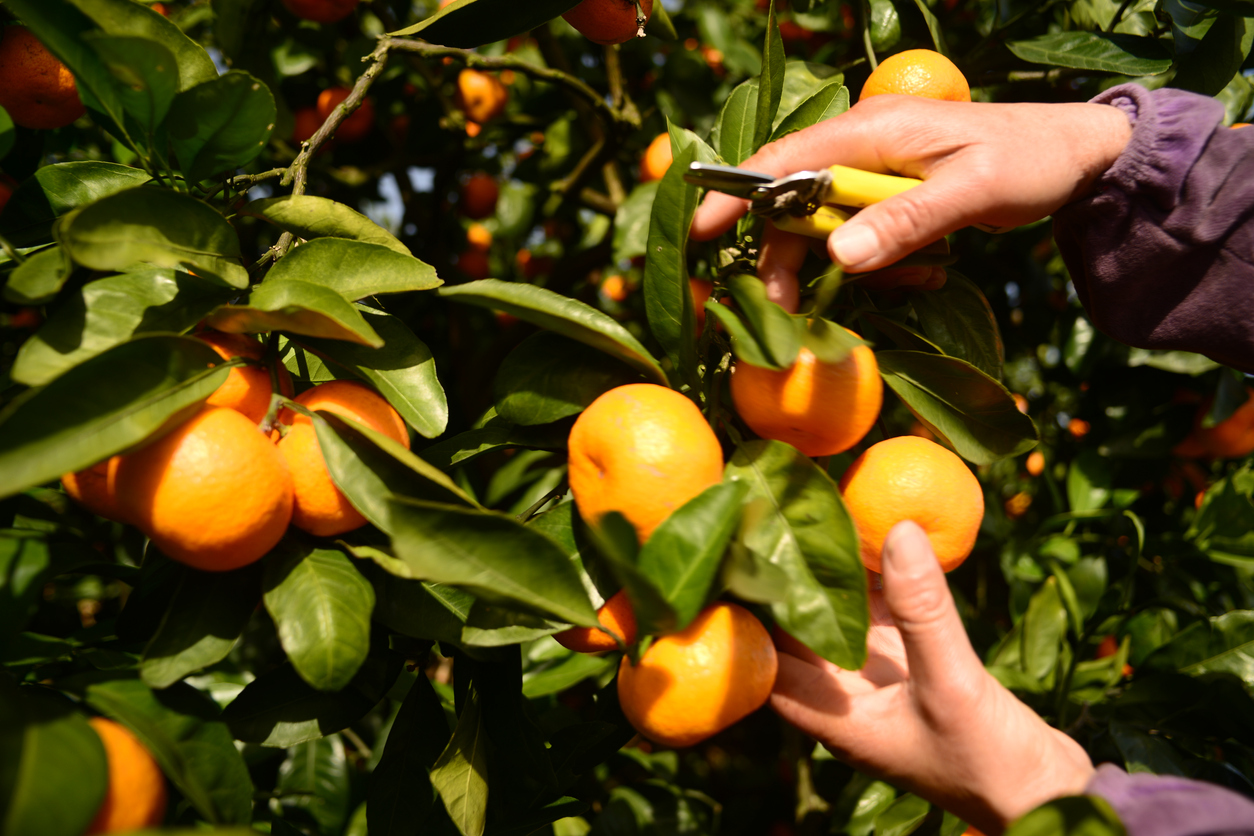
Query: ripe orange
(615, 615)
(642, 450)
(918, 72)
(819, 408)
(136, 797)
(608, 21)
(479, 237)
(1231, 438)
(357, 125)
(474, 263)
(1036, 463)
(909, 478)
(321, 11)
(305, 123)
(481, 96)
(1236, 125)
(247, 388)
(1017, 505)
(96, 488)
(1078, 427)
(615, 288)
(697, 682)
(36, 89)
(657, 159)
(213, 493)
(701, 290)
(479, 196)
(532, 265)
(320, 508)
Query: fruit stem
(641, 20)
(866, 34)
(10, 251)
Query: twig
(10, 251)
(866, 35)
(1114, 21)
(598, 202)
(1050, 76)
(560, 490)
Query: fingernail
(854, 244)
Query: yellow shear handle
(819, 225)
(857, 188)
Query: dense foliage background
(445, 705)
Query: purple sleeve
(1164, 805)
(1162, 251)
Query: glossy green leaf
(958, 402)
(808, 533)
(57, 189)
(402, 369)
(206, 615)
(733, 133)
(1209, 67)
(155, 226)
(41, 734)
(400, 794)
(770, 81)
(39, 279)
(307, 216)
(904, 816)
(221, 124)
(885, 25)
(631, 222)
(567, 673)
(321, 607)
(297, 308)
(1221, 527)
(147, 75)
(1146, 753)
(1077, 815)
(775, 335)
(829, 100)
(354, 269)
(959, 319)
(747, 574)
(562, 314)
(182, 729)
(902, 335)
(124, 18)
(472, 23)
(460, 775)
(315, 785)
(492, 556)
(933, 26)
(415, 608)
(1031, 648)
(1223, 643)
(494, 435)
(547, 377)
(1120, 54)
(1090, 481)
(615, 540)
(101, 407)
(109, 311)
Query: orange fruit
(96, 488)
(247, 388)
(608, 21)
(474, 263)
(160, 9)
(1236, 125)
(1231, 438)
(321, 11)
(642, 450)
(701, 290)
(481, 96)
(1036, 463)
(819, 408)
(918, 72)
(36, 89)
(615, 288)
(213, 493)
(357, 125)
(910, 478)
(1078, 427)
(320, 508)
(532, 265)
(136, 797)
(697, 682)
(615, 615)
(305, 123)
(1017, 505)
(479, 237)
(479, 196)
(657, 159)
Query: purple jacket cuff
(1164, 805)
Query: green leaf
(547, 377)
(1147, 754)
(204, 620)
(570, 671)
(102, 407)
(776, 336)
(1031, 648)
(770, 82)
(631, 222)
(41, 734)
(146, 73)
(683, 554)
(959, 319)
(400, 795)
(1090, 481)
(39, 279)
(960, 403)
(57, 189)
(494, 435)
(156, 226)
(472, 23)
(122, 17)
(492, 556)
(279, 709)
(903, 336)
(297, 308)
(828, 101)
(182, 729)
(1119, 54)
(733, 132)
(808, 533)
(315, 785)
(306, 216)
(221, 124)
(1209, 67)
(460, 775)
(564, 315)
(354, 269)
(321, 607)
(933, 26)
(108, 312)
(885, 25)
(615, 539)
(403, 370)
(1077, 815)
(1223, 643)
(902, 817)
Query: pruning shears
(810, 203)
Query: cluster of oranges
(216, 492)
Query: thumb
(943, 665)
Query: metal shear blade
(797, 194)
(738, 182)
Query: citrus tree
(306, 306)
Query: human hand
(923, 713)
(999, 165)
